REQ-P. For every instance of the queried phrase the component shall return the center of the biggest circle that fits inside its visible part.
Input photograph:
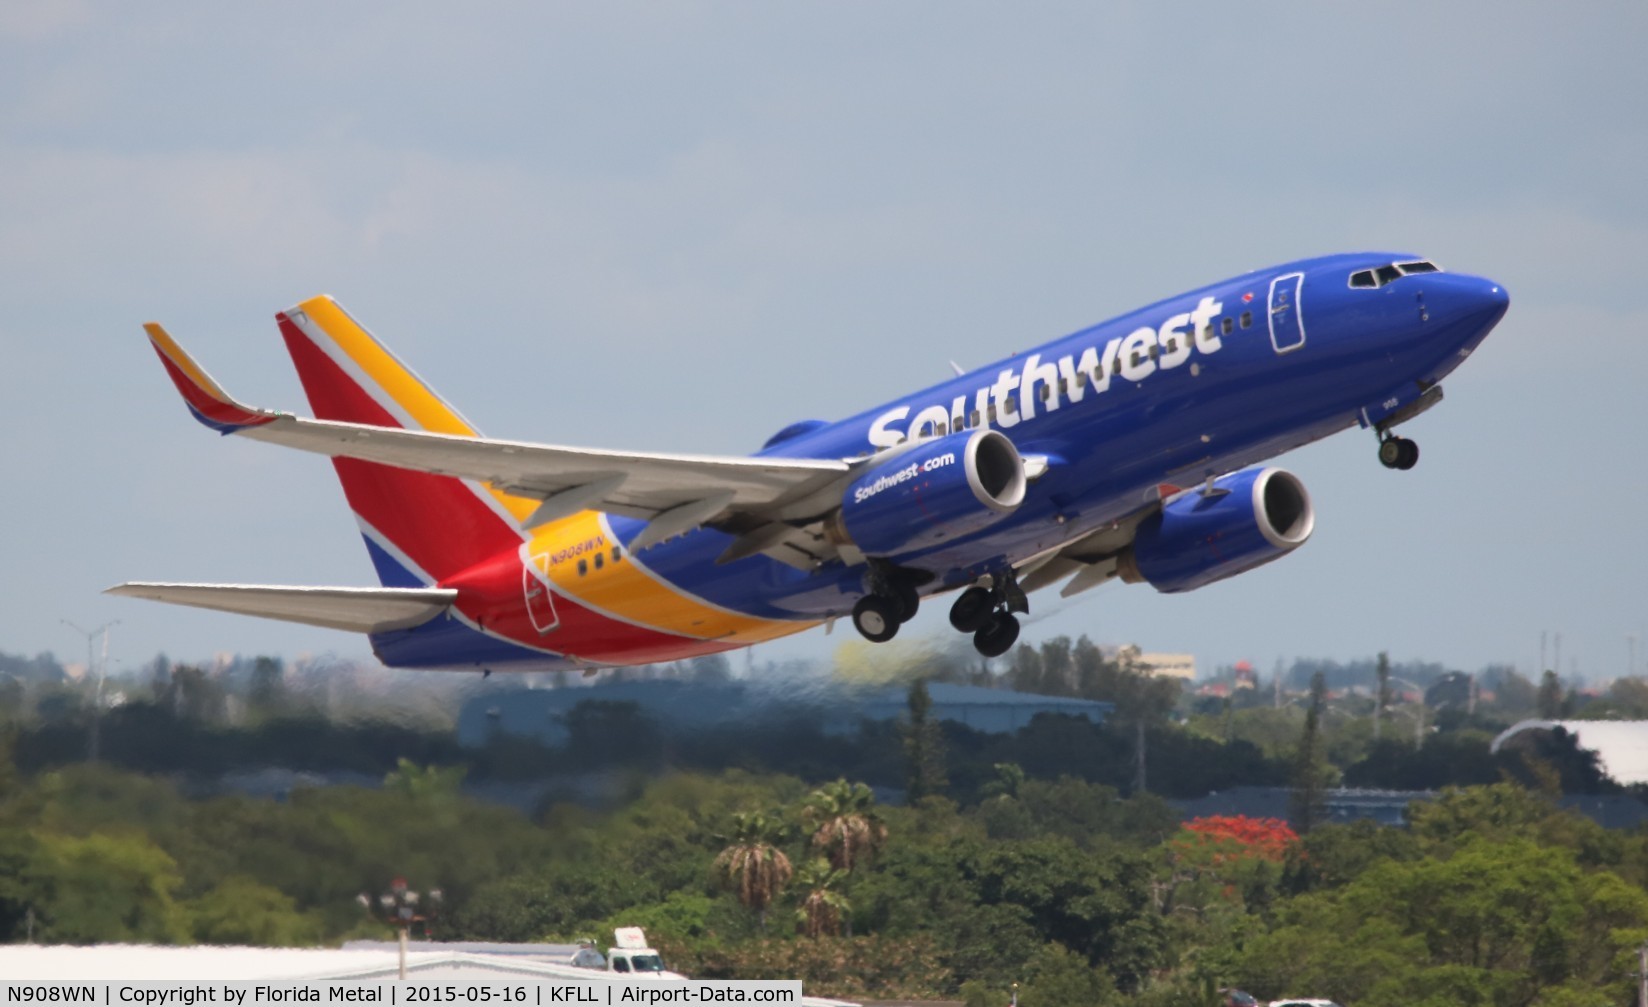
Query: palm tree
(752, 864)
(846, 828)
(823, 908)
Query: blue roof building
(676, 706)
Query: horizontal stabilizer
(357, 609)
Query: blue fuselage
(1187, 388)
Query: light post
(1418, 712)
(398, 907)
(97, 688)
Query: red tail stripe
(437, 521)
(213, 409)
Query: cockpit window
(1378, 277)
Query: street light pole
(92, 743)
(398, 907)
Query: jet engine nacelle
(1199, 538)
(935, 491)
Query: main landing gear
(892, 602)
(1398, 452)
(986, 611)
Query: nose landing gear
(1398, 453)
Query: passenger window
(1046, 392)
(1227, 325)
(1247, 319)
(1363, 278)
(617, 553)
(600, 560)
(583, 567)
(1098, 373)
(973, 418)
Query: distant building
(1180, 666)
(1390, 807)
(542, 714)
(1387, 807)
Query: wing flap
(357, 609)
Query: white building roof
(147, 963)
(1621, 745)
(141, 962)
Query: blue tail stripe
(390, 571)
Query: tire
(1390, 452)
(909, 601)
(997, 636)
(971, 610)
(1408, 456)
(875, 618)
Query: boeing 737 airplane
(1134, 449)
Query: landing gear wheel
(1398, 453)
(971, 610)
(876, 618)
(1390, 452)
(909, 602)
(1408, 455)
(997, 636)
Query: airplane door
(540, 601)
(1287, 328)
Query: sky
(682, 226)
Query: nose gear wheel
(1398, 453)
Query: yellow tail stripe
(399, 383)
(624, 590)
(392, 376)
(185, 363)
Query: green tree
(923, 747)
(753, 865)
(845, 825)
(1307, 804)
(1550, 696)
(1058, 978)
(102, 889)
(822, 907)
(243, 911)
(1498, 922)
(425, 784)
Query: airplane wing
(1092, 559)
(358, 609)
(673, 492)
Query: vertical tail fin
(419, 528)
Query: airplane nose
(1469, 305)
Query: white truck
(629, 956)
